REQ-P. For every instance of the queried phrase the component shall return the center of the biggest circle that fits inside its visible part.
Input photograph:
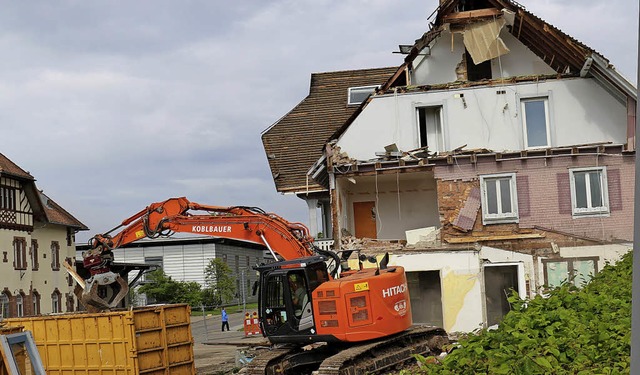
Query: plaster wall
(12, 279)
(461, 276)
(580, 112)
(45, 280)
(439, 64)
(403, 202)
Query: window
(499, 198)
(19, 253)
(358, 95)
(35, 299)
(20, 305)
(576, 271)
(7, 198)
(430, 128)
(34, 255)
(55, 255)
(4, 305)
(56, 302)
(535, 118)
(589, 193)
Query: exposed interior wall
(440, 63)
(402, 201)
(580, 112)
(460, 274)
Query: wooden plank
(74, 274)
(471, 239)
(471, 15)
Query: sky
(113, 105)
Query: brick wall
(544, 196)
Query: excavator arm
(178, 215)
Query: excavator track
(269, 361)
(376, 357)
(382, 356)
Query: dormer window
(358, 94)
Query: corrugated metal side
(146, 340)
(164, 341)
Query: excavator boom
(162, 219)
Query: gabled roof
(44, 208)
(559, 50)
(55, 214)
(296, 141)
(12, 169)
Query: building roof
(55, 214)
(10, 168)
(295, 142)
(562, 52)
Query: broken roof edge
(611, 75)
(457, 156)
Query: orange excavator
(307, 296)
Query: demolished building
(499, 156)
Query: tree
(163, 289)
(220, 283)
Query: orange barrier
(251, 325)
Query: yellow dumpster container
(145, 340)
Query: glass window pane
(581, 189)
(536, 123)
(505, 195)
(583, 271)
(557, 272)
(492, 197)
(596, 191)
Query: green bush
(571, 331)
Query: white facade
(524, 105)
(580, 112)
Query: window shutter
(564, 193)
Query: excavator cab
(286, 309)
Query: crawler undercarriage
(374, 357)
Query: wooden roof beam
(471, 15)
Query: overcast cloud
(112, 105)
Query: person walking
(225, 319)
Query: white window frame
(359, 88)
(507, 217)
(603, 210)
(439, 136)
(545, 100)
